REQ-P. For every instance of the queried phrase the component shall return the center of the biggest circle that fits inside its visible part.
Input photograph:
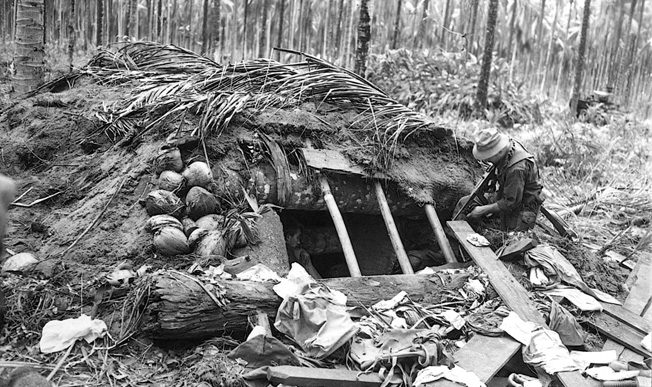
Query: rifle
(559, 224)
(477, 192)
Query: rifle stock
(477, 191)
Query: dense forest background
(536, 42)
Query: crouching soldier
(517, 198)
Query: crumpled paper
(478, 240)
(58, 335)
(314, 316)
(455, 374)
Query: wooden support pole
(403, 260)
(347, 247)
(444, 245)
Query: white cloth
(58, 335)
(314, 316)
(455, 374)
(259, 273)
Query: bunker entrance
(312, 241)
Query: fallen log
(182, 307)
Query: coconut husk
(171, 241)
(169, 160)
(211, 222)
(212, 244)
(196, 236)
(170, 181)
(200, 202)
(157, 222)
(189, 226)
(161, 202)
(198, 174)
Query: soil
(54, 142)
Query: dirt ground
(53, 144)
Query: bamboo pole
(439, 233)
(347, 247)
(403, 260)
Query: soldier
(518, 197)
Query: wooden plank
(507, 287)
(340, 227)
(618, 332)
(635, 304)
(627, 317)
(394, 237)
(495, 352)
(442, 240)
(322, 377)
(333, 160)
(511, 291)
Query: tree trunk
(180, 309)
(204, 29)
(548, 63)
(540, 50)
(364, 31)
(100, 13)
(262, 42)
(340, 23)
(349, 36)
(629, 50)
(132, 27)
(159, 22)
(72, 38)
(485, 72)
(279, 36)
(216, 22)
(615, 48)
(579, 66)
(30, 51)
(444, 27)
(633, 51)
(474, 17)
(244, 29)
(397, 24)
(189, 29)
(421, 35)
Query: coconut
(200, 202)
(210, 222)
(211, 244)
(198, 174)
(170, 181)
(171, 241)
(19, 263)
(196, 236)
(189, 226)
(169, 159)
(157, 222)
(161, 202)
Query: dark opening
(311, 236)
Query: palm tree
(579, 67)
(364, 32)
(30, 53)
(485, 72)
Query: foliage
(168, 81)
(435, 83)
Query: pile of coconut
(185, 214)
